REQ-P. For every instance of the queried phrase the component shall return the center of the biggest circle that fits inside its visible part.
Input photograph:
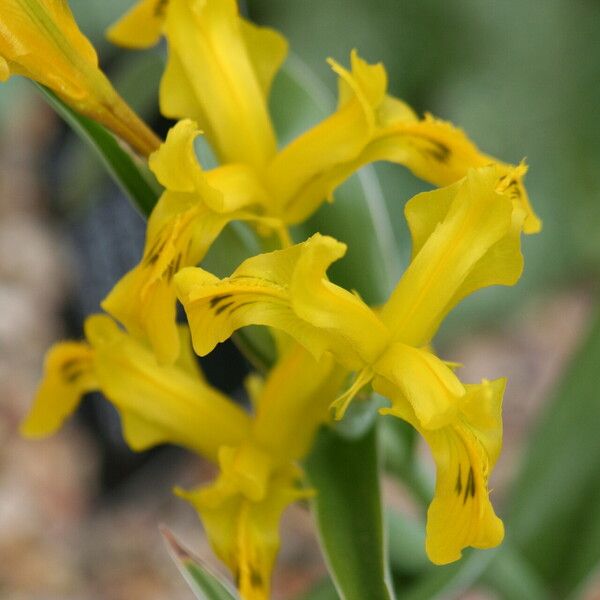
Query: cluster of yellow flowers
(330, 343)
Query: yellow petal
(176, 94)
(440, 153)
(293, 402)
(332, 308)
(307, 171)
(40, 39)
(175, 163)
(275, 289)
(183, 225)
(511, 183)
(208, 41)
(267, 50)
(464, 452)
(466, 241)
(243, 533)
(141, 26)
(461, 514)
(422, 379)
(68, 375)
(161, 403)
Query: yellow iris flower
(40, 39)
(257, 454)
(465, 237)
(367, 126)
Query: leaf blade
(348, 512)
(205, 584)
(126, 170)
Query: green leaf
(555, 516)
(324, 590)
(205, 584)
(348, 513)
(511, 576)
(406, 541)
(126, 169)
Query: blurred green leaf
(348, 513)
(324, 590)
(555, 516)
(127, 170)
(512, 577)
(451, 581)
(205, 584)
(406, 541)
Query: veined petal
(144, 299)
(183, 225)
(228, 64)
(293, 402)
(464, 452)
(245, 533)
(68, 375)
(440, 153)
(422, 379)
(465, 236)
(273, 289)
(141, 26)
(306, 172)
(40, 40)
(161, 403)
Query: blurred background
(79, 512)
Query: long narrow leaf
(205, 584)
(348, 511)
(127, 170)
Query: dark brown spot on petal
(159, 9)
(439, 151)
(218, 299)
(470, 488)
(458, 486)
(221, 308)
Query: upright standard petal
(40, 39)
(68, 375)
(219, 72)
(464, 237)
(288, 290)
(465, 451)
